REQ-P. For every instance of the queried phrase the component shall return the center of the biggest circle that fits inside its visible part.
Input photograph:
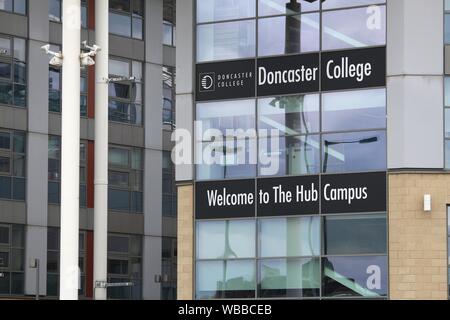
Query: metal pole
(70, 149)
(37, 279)
(101, 149)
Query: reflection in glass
(229, 40)
(447, 154)
(120, 24)
(217, 10)
(225, 279)
(354, 276)
(232, 115)
(226, 159)
(447, 91)
(277, 7)
(292, 155)
(289, 237)
(354, 28)
(354, 110)
(225, 239)
(288, 34)
(355, 234)
(291, 115)
(289, 278)
(354, 152)
(332, 4)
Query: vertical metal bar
(70, 150)
(101, 148)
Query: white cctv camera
(57, 58)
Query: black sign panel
(288, 196)
(347, 193)
(225, 80)
(288, 75)
(225, 199)
(354, 69)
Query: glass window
(54, 7)
(355, 234)
(354, 276)
(354, 28)
(216, 10)
(333, 4)
(289, 278)
(231, 115)
(231, 158)
(229, 40)
(118, 244)
(289, 34)
(16, 6)
(354, 152)
(225, 279)
(290, 115)
(278, 7)
(292, 155)
(354, 110)
(225, 239)
(119, 157)
(126, 18)
(6, 5)
(289, 237)
(447, 5)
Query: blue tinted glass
(5, 187)
(216, 10)
(118, 200)
(354, 152)
(53, 192)
(354, 276)
(120, 24)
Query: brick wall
(417, 239)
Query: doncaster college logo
(207, 82)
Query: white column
(101, 148)
(70, 150)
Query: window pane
(226, 239)
(19, 142)
(121, 5)
(447, 123)
(167, 34)
(118, 244)
(331, 4)
(17, 260)
(118, 200)
(225, 279)
(354, 276)
(18, 236)
(20, 49)
(20, 95)
(119, 68)
(276, 7)
(119, 90)
(118, 179)
(5, 70)
(5, 187)
(216, 10)
(354, 28)
(19, 166)
(20, 72)
(4, 260)
(116, 266)
(137, 28)
(4, 235)
(6, 93)
(138, 7)
(228, 159)
(289, 278)
(355, 234)
(19, 189)
(5, 46)
(5, 165)
(5, 140)
(17, 282)
(230, 40)
(137, 202)
(447, 4)
(289, 237)
(119, 157)
(291, 115)
(53, 192)
(53, 239)
(281, 156)
(230, 115)
(55, 10)
(6, 5)
(354, 110)
(4, 284)
(289, 34)
(350, 152)
(447, 154)
(447, 91)
(120, 24)
(136, 159)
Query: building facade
(142, 194)
(319, 135)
